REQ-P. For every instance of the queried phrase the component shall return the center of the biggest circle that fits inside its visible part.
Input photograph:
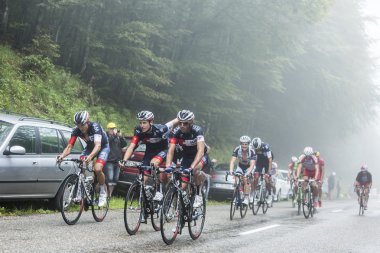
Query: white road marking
(337, 210)
(259, 229)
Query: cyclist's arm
(270, 165)
(199, 155)
(251, 166)
(172, 124)
(322, 169)
(317, 171)
(299, 170)
(232, 163)
(66, 151)
(170, 155)
(96, 149)
(129, 151)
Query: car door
(18, 171)
(50, 176)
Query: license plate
(225, 186)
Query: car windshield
(5, 128)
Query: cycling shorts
(161, 156)
(309, 173)
(102, 155)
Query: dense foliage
(293, 72)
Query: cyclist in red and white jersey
(321, 176)
(309, 164)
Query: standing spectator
(331, 184)
(117, 143)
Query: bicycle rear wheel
(155, 211)
(99, 212)
(306, 207)
(265, 204)
(72, 200)
(361, 206)
(133, 208)
(197, 219)
(233, 203)
(170, 218)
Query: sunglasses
(184, 123)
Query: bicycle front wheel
(243, 209)
(361, 206)
(99, 212)
(155, 206)
(306, 207)
(133, 208)
(256, 206)
(233, 203)
(72, 200)
(197, 219)
(170, 216)
(265, 204)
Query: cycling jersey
(95, 132)
(156, 141)
(321, 164)
(244, 158)
(309, 165)
(364, 177)
(263, 154)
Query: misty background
(295, 73)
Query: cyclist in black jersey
(363, 178)
(155, 137)
(97, 145)
(194, 151)
(264, 162)
(246, 157)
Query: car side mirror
(15, 150)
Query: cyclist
(263, 161)
(155, 137)
(364, 178)
(321, 176)
(292, 171)
(97, 145)
(194, 151)
(309, 165)
(246, 156)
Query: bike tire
(299, 201)
(361, 206)
(256, 207)
(99, 212)
(197, 219)
(133, 208)
(243, 209)
(71, 210)
(265, 204)
(170, 218)
(155, 210)
(233, 203)
(306, 203)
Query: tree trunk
(3, 18)
(87, 44)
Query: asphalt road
(336, 227)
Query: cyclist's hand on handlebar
(169, 170)
(187, 171)
(59, 158)
(122, 163)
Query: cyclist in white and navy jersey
(263, 162)
(97, 145)
(246, 157)
(194, 151)
(155, 137)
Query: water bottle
(88, 182)
(241, 193)
(148, 192)
(185, 198)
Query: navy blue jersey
(95, 132)
(263, 154)
(244, 158)
(156, 139)
(188, 141)
(364, 177)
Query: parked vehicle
(282, 185)
(28, 151)
(221, 189)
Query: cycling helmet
(145, 116)
(364, 167)
(81, 117)
(256, 142)
(185, 115)
(274, 165)
(294, 159)
(245, 139)
(308, 151)
(111, 125)
(317, 154)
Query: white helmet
(256, 142)
(308, 151)
(364, 167)
(294, 159)
(145, 116)
(274, 165)
(245, 139)
(185, 115)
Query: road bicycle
(260, 195)
(81, 192)
(178, 209)
(363, 199)
(139, 202)
(238, 196)
(308, 199)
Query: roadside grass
(20, 208)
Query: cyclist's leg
(109, 174)
(99, 164)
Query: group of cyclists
(181, 140)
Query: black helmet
(81, 117)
